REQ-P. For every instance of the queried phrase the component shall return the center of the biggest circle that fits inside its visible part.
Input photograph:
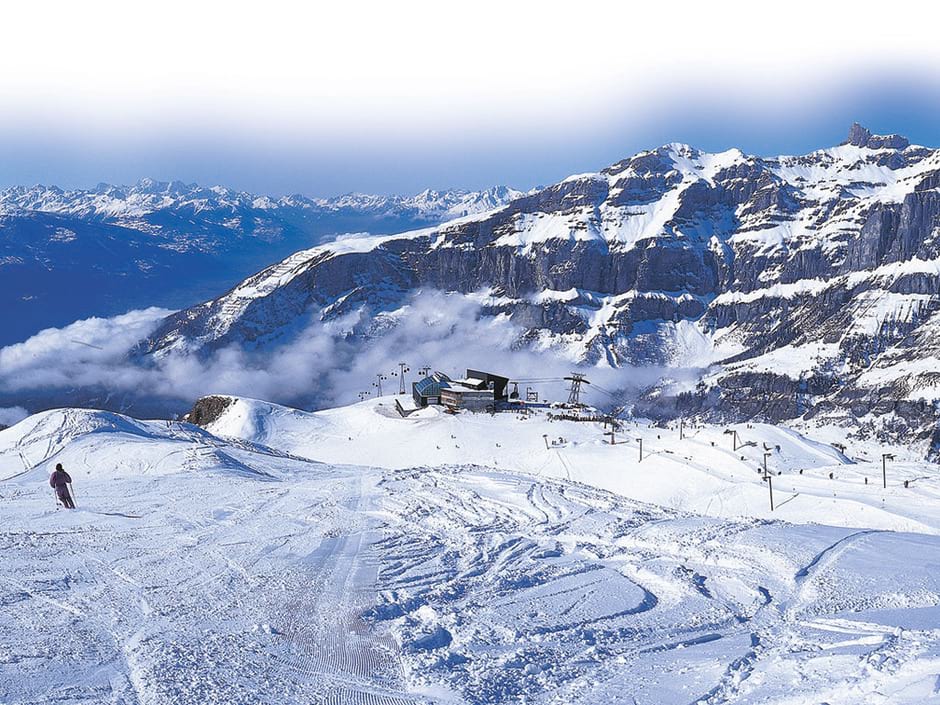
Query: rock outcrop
(208, 409)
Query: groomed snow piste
(353, 556)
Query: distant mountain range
(797, 286)
(69, 254)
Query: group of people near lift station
(60, 481)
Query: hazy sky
(279, 97)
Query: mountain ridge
(173, 244)
(673, 257)
(148, 195)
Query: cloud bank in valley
(325, 365)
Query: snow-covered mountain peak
(678, 159)
(439, 205)
(674, 256)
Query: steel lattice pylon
(574, 391)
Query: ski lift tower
(379, 378)
(402, 369)
(574, 391)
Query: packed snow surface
(354, 556)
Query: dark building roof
(497, 382)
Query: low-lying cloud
(11, 415)
(328, 364)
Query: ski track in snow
(330, 646)
(201, 570)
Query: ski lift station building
(427, 390)
(478, 391)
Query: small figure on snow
(60, 481)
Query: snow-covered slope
(101, 445)
(184, 578)
(702, 472)
(173, 244)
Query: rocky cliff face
(800, 286)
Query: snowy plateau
(355, 556)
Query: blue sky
(384, 99)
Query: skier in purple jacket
(59, 481)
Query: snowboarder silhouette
(60, 481)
